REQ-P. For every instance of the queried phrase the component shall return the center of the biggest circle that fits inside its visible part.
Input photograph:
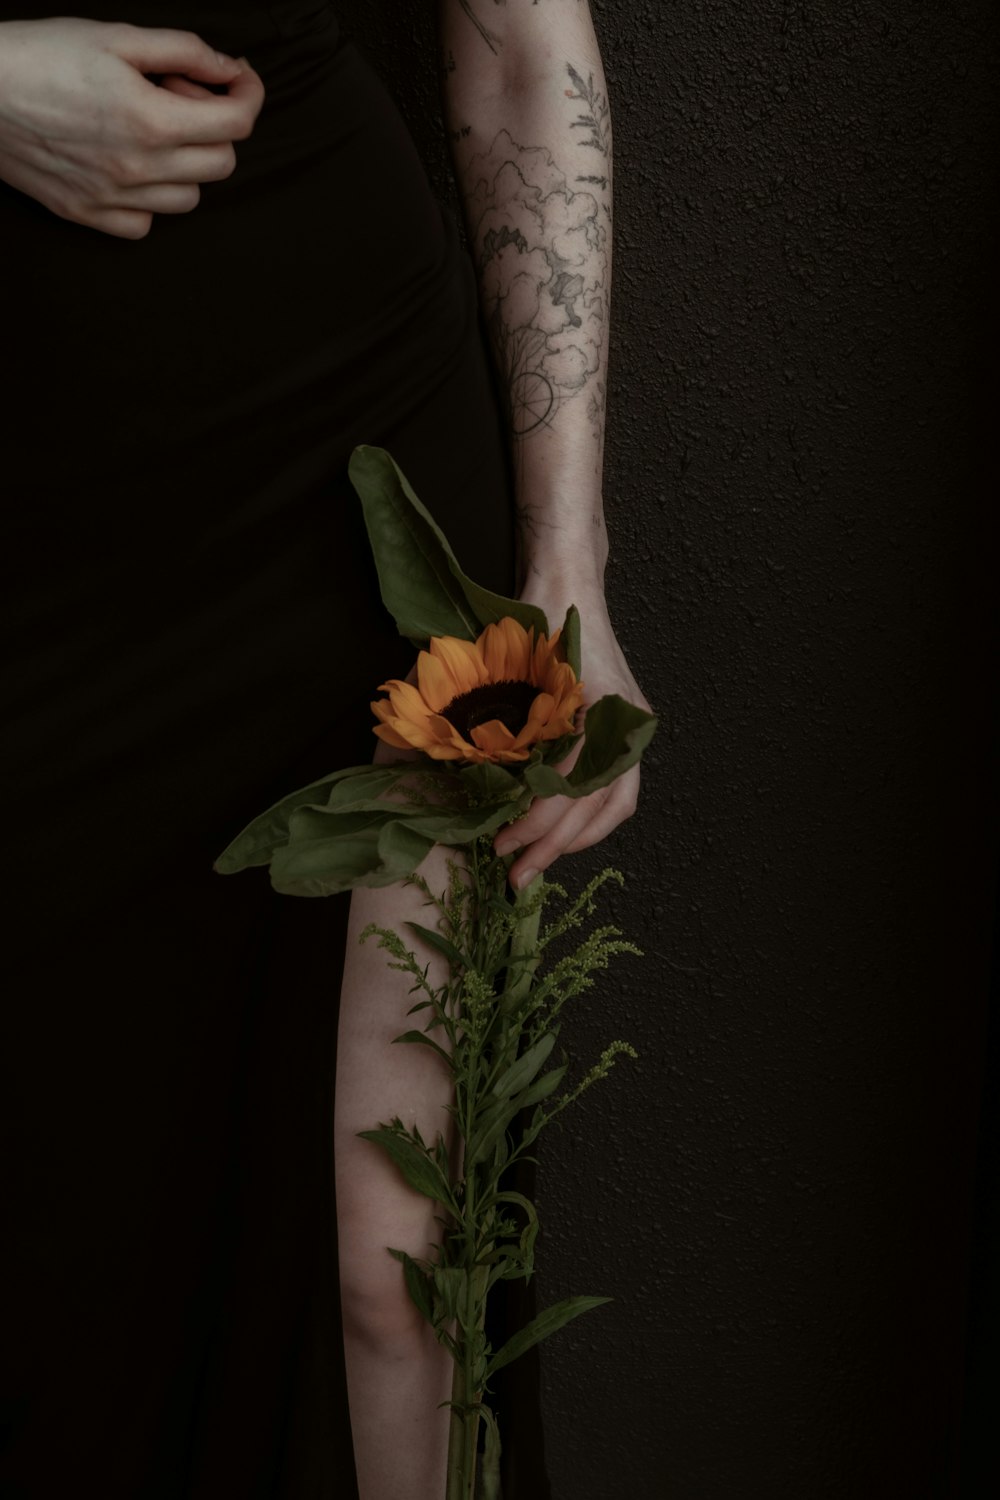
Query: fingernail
(524, 877)
(507, 846)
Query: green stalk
(462, 1433)
(524, 941)
(465, 1419)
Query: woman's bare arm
(527, 108)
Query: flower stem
(524, 953)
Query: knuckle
(243, 124)
(125, 169)
(224, 165)
(119, 35)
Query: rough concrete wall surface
(779, 1192)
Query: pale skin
(84, 132)
(513, 79)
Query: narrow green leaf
(547, 1322)
(422, 585)
(615, 735)
(439, 942)
(494, 1121)
(449, 1285)
(417, 1167)
(509, 1196)
(420, 1038)
(541, 1088)
(418, 1284)
(520, 1074)
(490, 1471)
(492, 1128)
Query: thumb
(153, 50)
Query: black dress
(192, 627)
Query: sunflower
(492, 699)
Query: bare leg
(397, 1372)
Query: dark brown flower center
(509, 702)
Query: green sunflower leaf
(454, 826)
(615, 735)
(326, 854)
(571, 638)
(422, 585)
(491, 783)
(266, 833)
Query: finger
(195, 164)
(154, 49)
(178, 84)
(163, 198)
(180, 118)
(541, 817)
(586, 823)
(537, 856)
(122, 223)
(614, 813)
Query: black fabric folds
(191, 627)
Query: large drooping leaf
(422, 585)
(256, 843)
(367, 849)
(615, 735)
(547, 1322)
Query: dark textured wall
(780, 1190)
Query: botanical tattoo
(596, 118)
(543, 260)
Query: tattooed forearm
(470, 8)
(543, 260)
(595, 119)
(493, 42)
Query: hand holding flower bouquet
(492, 713)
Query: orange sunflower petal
(446, 734)
(392, 737)
(497, 742)
(546, 655)
(437, 687)
(506, 651)
(464, 662)
(537, 723)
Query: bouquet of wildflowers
(491, 714)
